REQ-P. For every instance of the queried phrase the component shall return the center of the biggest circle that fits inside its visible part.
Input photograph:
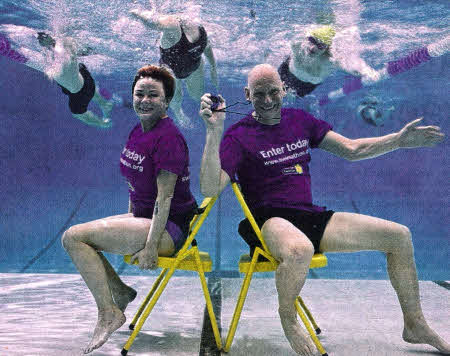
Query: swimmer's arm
(155, 21)
(357, 66)
(165, 182)
(130, 210)
(212, 62)
(297, 53)
(410, 136)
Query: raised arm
(212, 62)
(410, 136)
(148, 256)
(213, 179)
(155, 21)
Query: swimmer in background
(311, 61)
(182, 44)
(76, 82)
(58, 60)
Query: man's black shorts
(78, 102)
(311, 224)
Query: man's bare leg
(294, 251)
(347, 232)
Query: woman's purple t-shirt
(271, 163)
(145, 154)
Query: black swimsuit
(291, 81)
(184, 57)
(78, 102)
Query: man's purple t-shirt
(145, 154)
(271, 162)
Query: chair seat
(187, 264)
(319, 260)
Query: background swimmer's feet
(89, 118)
(106, 108)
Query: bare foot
(300, 341)
(108, 322)
(106, 109)
(91, 119)
(422, 334)
(123, 298)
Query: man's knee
(287, 242)
(401, 236)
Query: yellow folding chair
(189, 258)
(250, 265)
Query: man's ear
(285, 89)
(247, 93)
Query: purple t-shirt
(145, 154)
(271, 162)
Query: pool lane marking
(57, 236)
(443, 284)
(208, 345)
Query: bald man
(268, 151)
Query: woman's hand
(212, 119)
(148, 257)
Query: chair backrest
(248, 214)
(197, 221)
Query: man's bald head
(265, 91)
(263, 71)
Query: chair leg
(309, 328)
(147, 299)
(209, 306)
(147, 311)
(238, 310)
(310, 316)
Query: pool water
(57, 172)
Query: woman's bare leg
(124, 235)
(122, 293)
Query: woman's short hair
(162, 74)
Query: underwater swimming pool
(58, 172)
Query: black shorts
(78, 102)
(311, 224)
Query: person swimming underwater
(311, 61)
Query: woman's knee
(70, 237)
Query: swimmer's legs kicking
(175, 105)
(91, 119)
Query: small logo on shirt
(297, 169)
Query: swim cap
(324, 34)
